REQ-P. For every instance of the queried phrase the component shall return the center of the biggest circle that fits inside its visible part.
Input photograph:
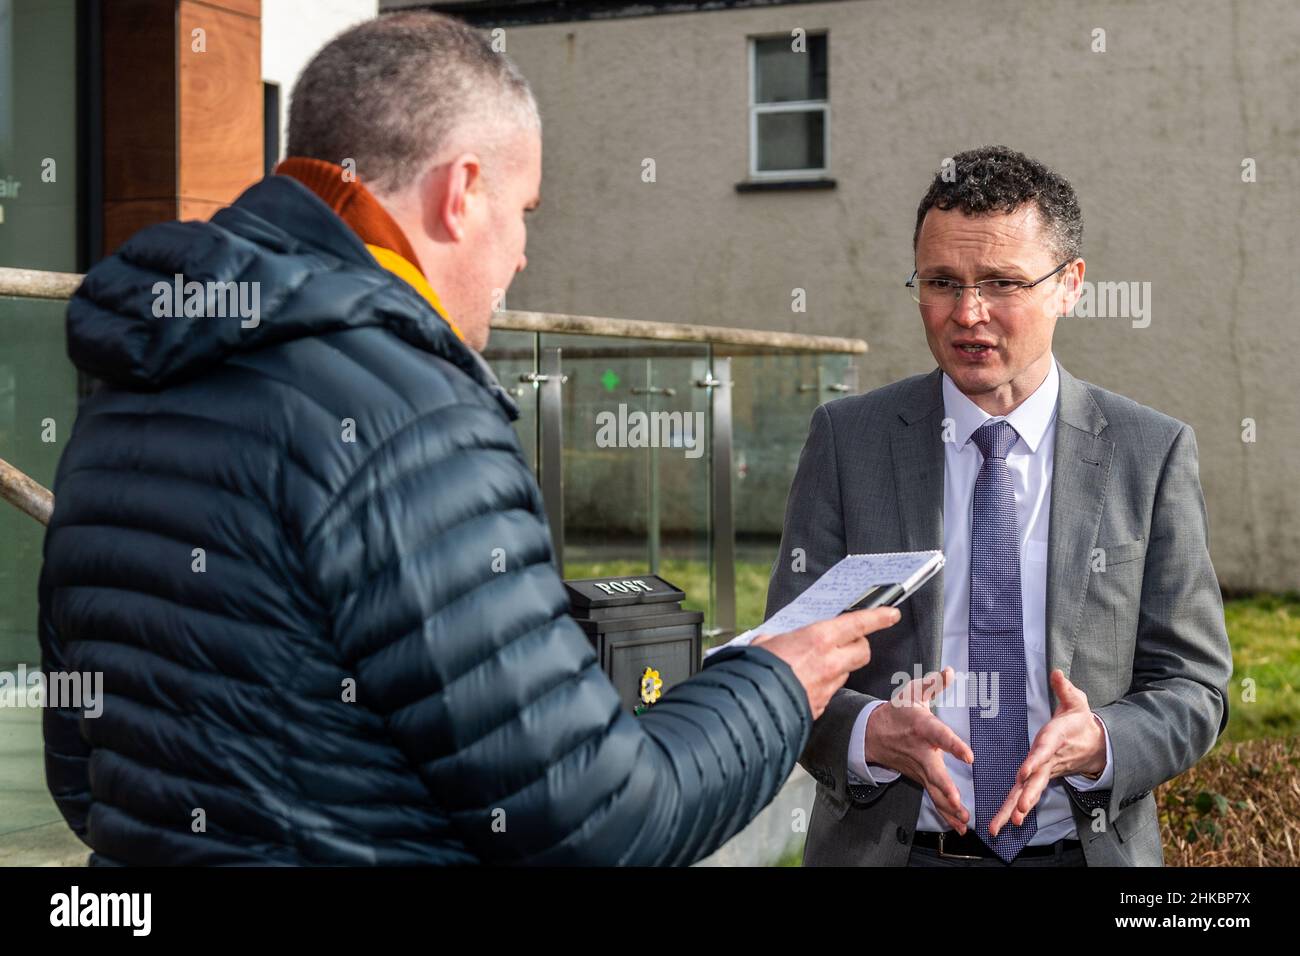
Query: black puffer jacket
(340, 676)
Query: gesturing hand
(904, 735)
(1071, 742)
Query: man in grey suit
(1072, 654)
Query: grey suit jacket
(1144, 639)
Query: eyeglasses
(931, 293)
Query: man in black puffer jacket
(275, 525)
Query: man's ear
(457, 193)
(1073, 283)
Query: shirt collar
(1031, 418)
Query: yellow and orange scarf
(357, 206)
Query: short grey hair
(390, 93)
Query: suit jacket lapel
(917, 451)
(1080, 472)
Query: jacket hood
(276, 265)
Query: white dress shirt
(1030, 463)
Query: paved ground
(32, 833)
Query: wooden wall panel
(139, 89)
(182, 129)
(124, 218)
(249, 8)
(220, 131)
(198, 208)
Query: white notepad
(894, 575)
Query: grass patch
(794, 857)
(1264, 631)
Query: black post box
(645, 641)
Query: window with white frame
(789, 106)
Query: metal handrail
(25, 494)
(38, 502)
(33, 284)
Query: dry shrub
(1237, 807)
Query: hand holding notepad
(877, 579)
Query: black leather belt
(953, 845)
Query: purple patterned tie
(999, 738)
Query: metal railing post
(550, 444)
(723, 556)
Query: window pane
(791, 140)
(511, 355)
(38, 402)
(782, 75)
(38, 134)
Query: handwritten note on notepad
(844, 585)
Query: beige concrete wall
(1151, 132)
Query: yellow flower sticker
(651, 686)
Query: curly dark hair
(996, 179)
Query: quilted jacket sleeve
(435, 562)
(67, 755)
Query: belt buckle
(954, 856)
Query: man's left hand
(1072, 742)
